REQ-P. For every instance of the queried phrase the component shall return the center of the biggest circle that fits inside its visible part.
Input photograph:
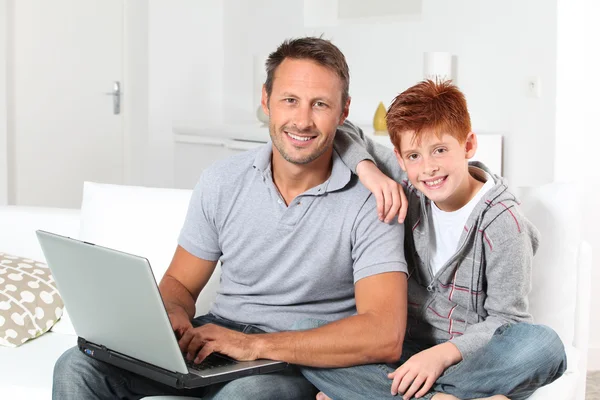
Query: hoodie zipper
(431, 286)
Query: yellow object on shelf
(379, 123)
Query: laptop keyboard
(210, 362)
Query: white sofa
(146, 221)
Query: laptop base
(169, 378)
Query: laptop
(119, 316)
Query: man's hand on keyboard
(199, 342)
(180, 322)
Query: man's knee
(71, 368)
(70, 362)
(269, 386)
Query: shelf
(252, 132)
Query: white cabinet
(197, 148)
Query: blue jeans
(77, 376)
(518, 359)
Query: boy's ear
(400, 160)
(470, 145)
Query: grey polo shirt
(281, 264)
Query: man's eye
(290, 100)
(320, 104)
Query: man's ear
(470, 145)
(264, 100)
(345, 111)
(400, 160)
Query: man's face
(438, 167)
(304, 110)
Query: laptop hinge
(99, 352)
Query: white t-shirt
(448, 227)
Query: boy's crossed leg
(519, 359)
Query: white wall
(135, 89)
(185, 61)
(244, 37)
(3, 110)
(498, 46)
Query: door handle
(116, 94)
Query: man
(299, 240)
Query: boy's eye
(440, 150)
(412, 157)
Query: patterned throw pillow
(29, 301)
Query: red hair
(430, 107)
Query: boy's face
(304, 110)
(438, 167)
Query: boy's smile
(435, 183)
(438, 167)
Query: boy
(469, 251)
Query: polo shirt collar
(339, 178)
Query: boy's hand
(416, 376)
(389, 194)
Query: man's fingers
(206, 350)
(185, 340)
(195, 345)
(403, 205)
(426, 386)
(416, 385)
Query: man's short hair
(433, 107)
(319, 50)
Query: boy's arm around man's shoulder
(509, 244)
(354, 146)
(376, 167)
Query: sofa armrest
(582, 316)
(19, 223)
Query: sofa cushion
(137, 220)
(555, 210)
(26, 371)
(23, 221)
(29, 301)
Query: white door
(66, 55)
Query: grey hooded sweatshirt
(485, 284)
